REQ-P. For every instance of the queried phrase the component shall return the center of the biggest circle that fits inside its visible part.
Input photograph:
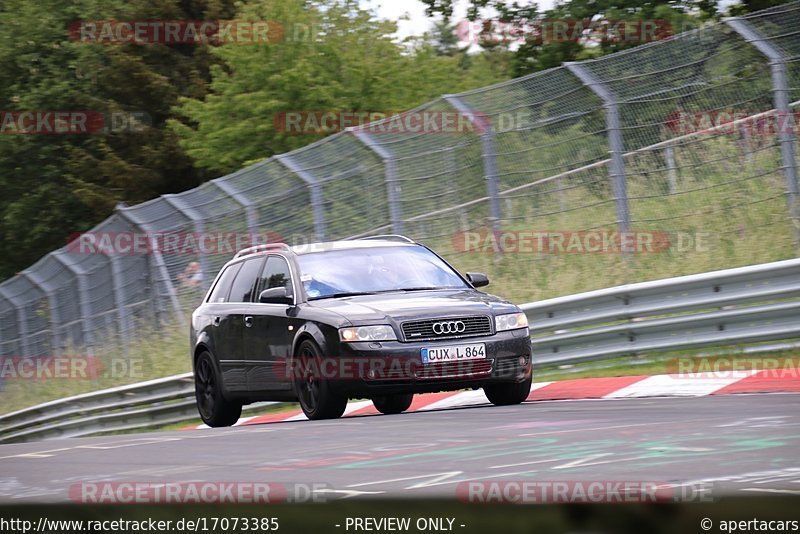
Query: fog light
(522, 361)
(371, 374)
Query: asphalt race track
(735, 444)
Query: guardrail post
(55, 319)
(317, 200)
(83, 298)
(390, 169)
(241, 199)
(616, 144)
(157, 268)
(22, 320)
(488, 153)
(780, 95)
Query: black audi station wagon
(380, 318)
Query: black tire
(314, 393)
(215, 410)
(508, 393)
(393, 404)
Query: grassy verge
(151, 355)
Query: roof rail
(388, 237)
(262, 248)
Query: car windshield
(374, 270)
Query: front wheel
(215, 410)
(508, 393)
(393, 404)
(312, 390)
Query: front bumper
(367, 369)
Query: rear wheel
(508, 393)
(215, 410)
(312, 390)
(392, 404)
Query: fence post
(780, 95)
(452, 180)
(317, 201)
(672, 170)
(83, 298)
(488, 153)
(22, 320)
(390, 170)
(55, 319)
(616, 144)
(199, 227)
(119, 298)
(157, 266)
(241, 199)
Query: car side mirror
(275, 295)
(478, 279)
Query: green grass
(154, 354)
(737, 206)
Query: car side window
(223, 286)
(244, 284)
(276, 274)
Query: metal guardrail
(132, 407)
(723, 308)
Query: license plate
(453, 353)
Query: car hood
(416, 305)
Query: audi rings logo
(449, 327)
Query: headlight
(382, 332)
(510, 321)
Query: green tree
(54, 185)
(533, 52)
(333, 56)
(748, 6)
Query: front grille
(478, 325)
(463, 369)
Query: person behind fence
(192, 275)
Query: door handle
(248, 321)
(216, 320)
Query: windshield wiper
(343, 294)
(420, 288)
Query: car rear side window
(276, 274)
(223, 286)
(243, 285)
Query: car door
(220, 324)
(232, 361)
(268, 338)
